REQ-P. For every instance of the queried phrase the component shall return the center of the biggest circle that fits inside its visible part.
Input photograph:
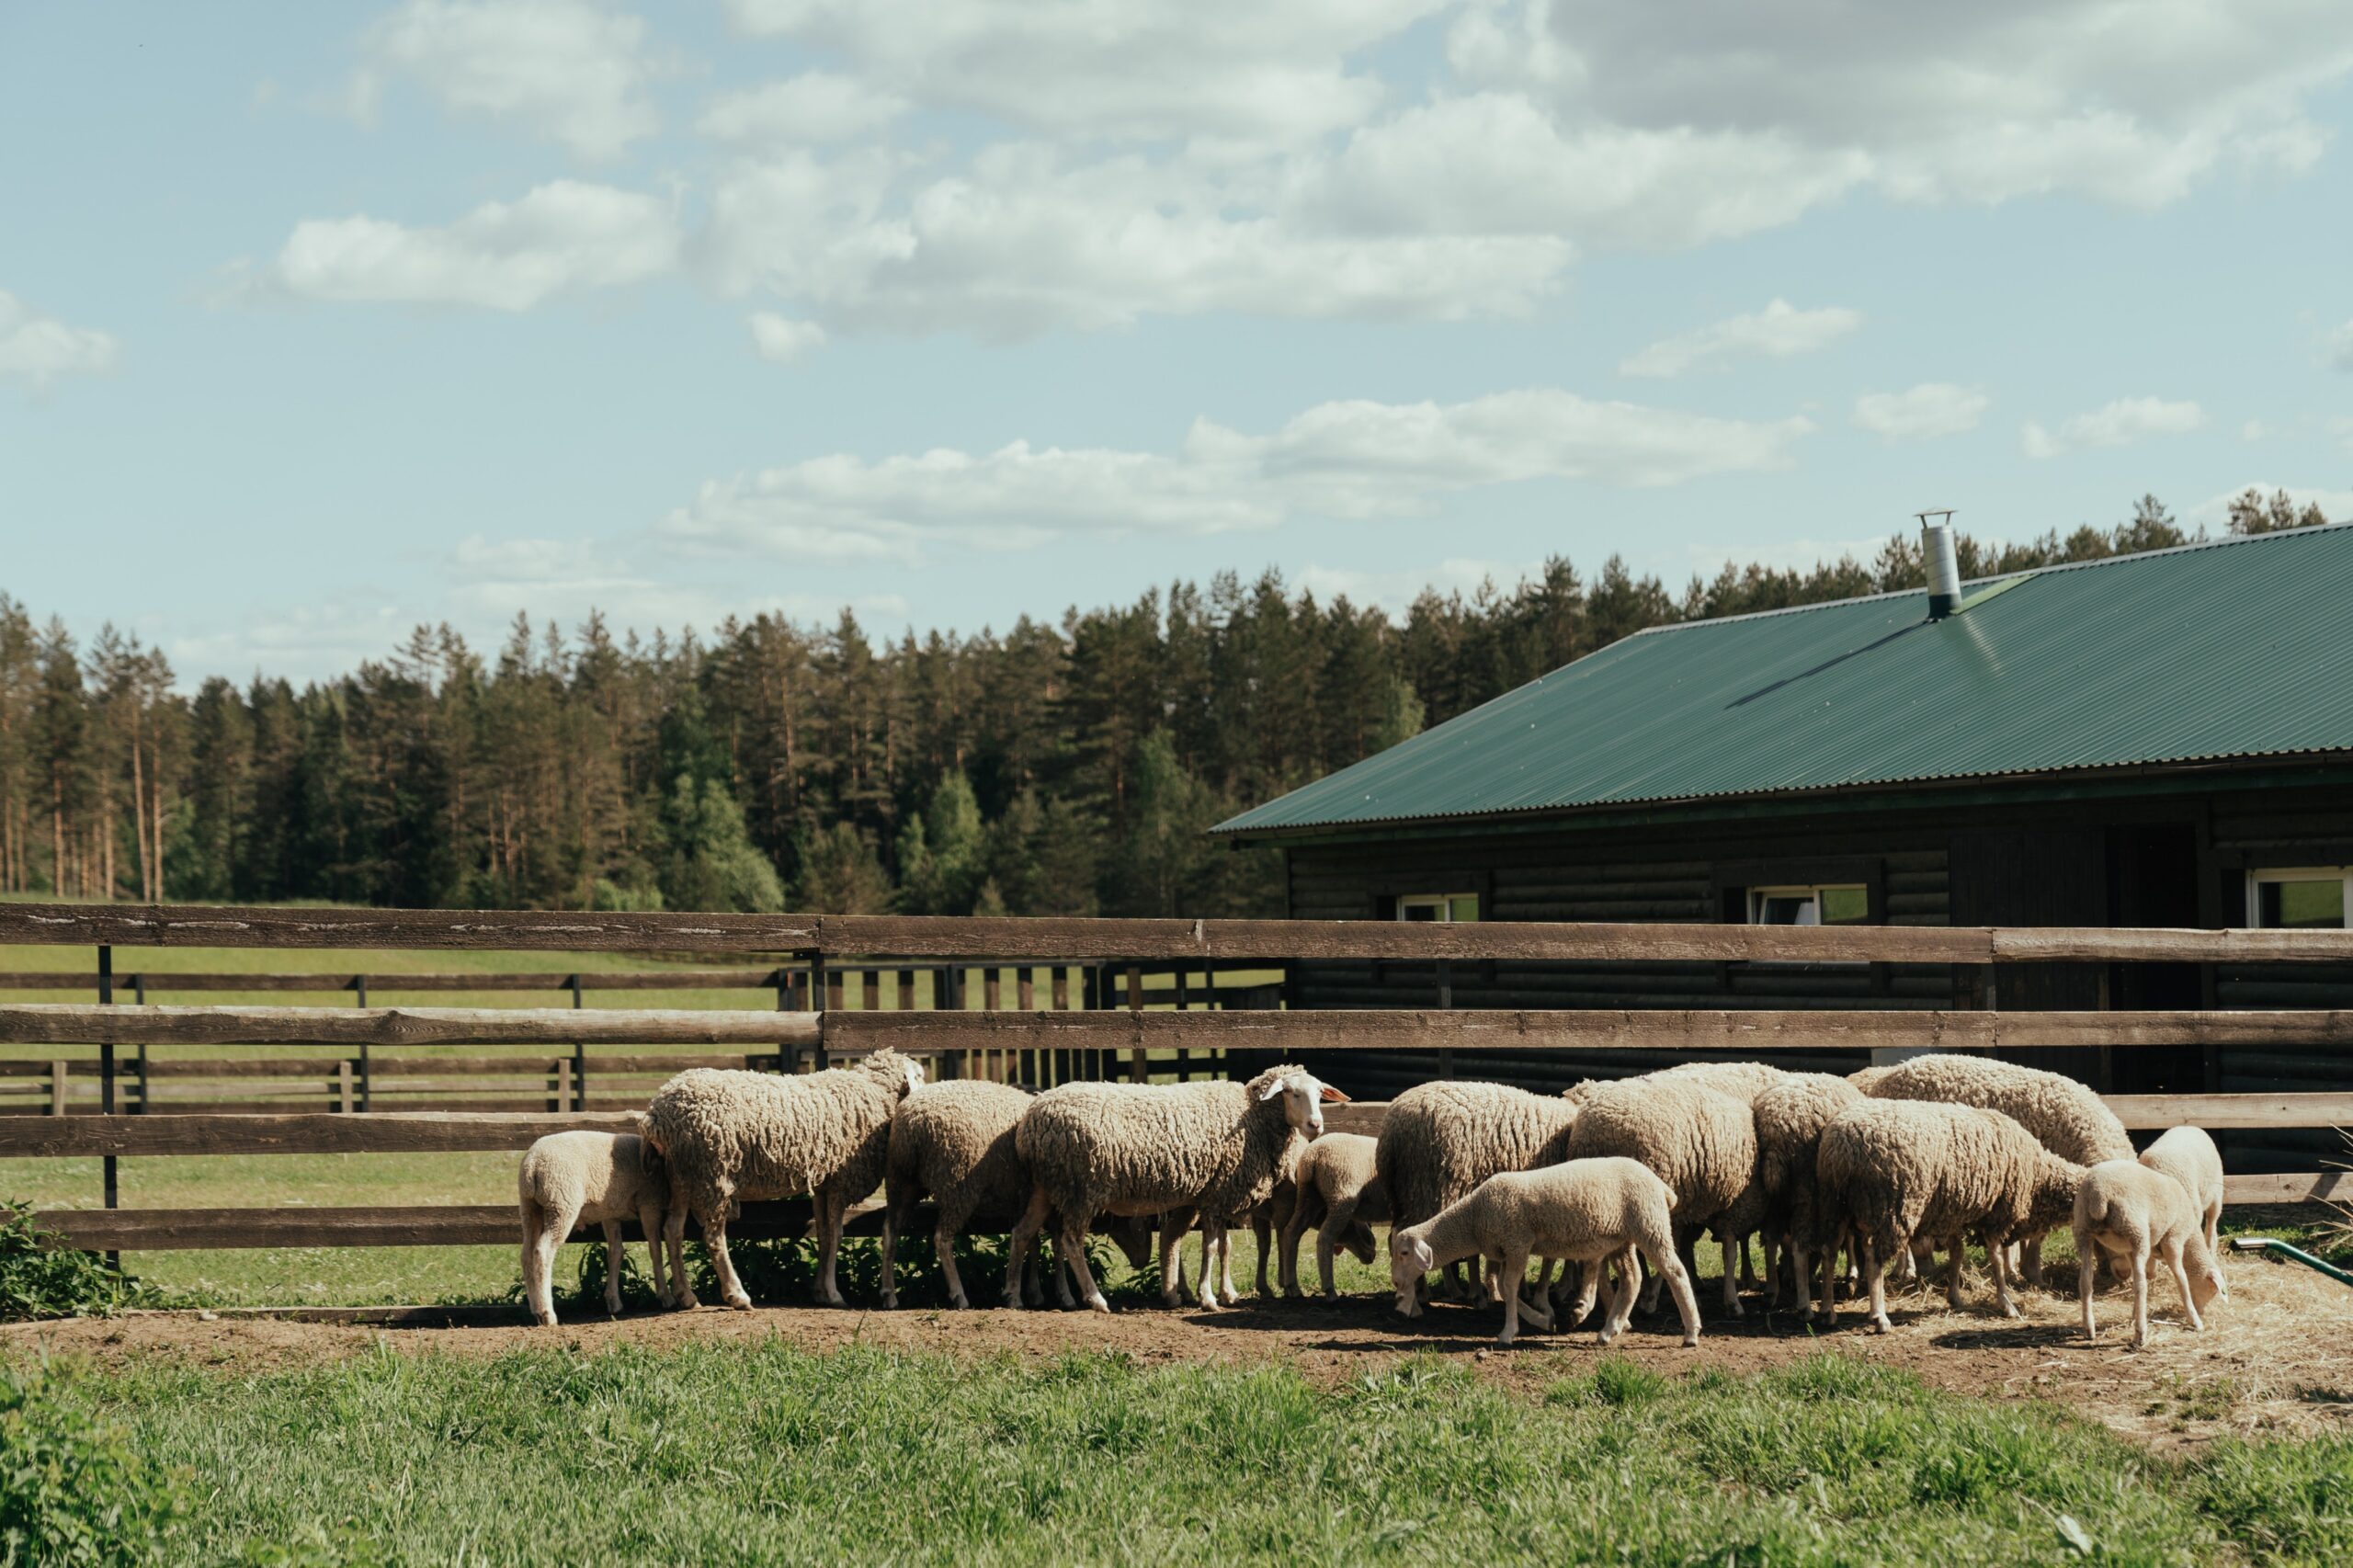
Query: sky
(320, 321)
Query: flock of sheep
(1603, 1182)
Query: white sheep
(2068, 1118)
(2134, 1212)
(1335, 1191)
(2188, 1155)
(1440, 1139)
(733, 1136)
(571, 1179)
(1899, 1169)
(1179, 1150)
(1702, 1142)
(1790, 1119)
(1587, 1212)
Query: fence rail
(1035, 1001)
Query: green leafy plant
(73, 1492)
(39, 1278)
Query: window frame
(1755, 897)
(2257, 876)
(1443, 902)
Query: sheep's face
(1302, 1097)
(2206, 1283)
(1410, 1258)
(914, 1075)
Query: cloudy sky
(316, 322)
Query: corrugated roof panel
(2237, 648)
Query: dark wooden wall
(2165, 861)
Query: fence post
(1184, 1005)
(106, 1079)
(1446, 1004)
(944, 999)
(1138, 1071)
(579, 1059)
(139, 985)
(824, 995)
(783, 1005)
(366, 1068)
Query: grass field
(769, 1453)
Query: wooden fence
(829, 985)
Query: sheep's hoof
(1605, 1336)
(1096, 1304)
(1881, 1325)
(960, 1301)
(740, 1302)
(1690, 1342)
(832, 1301)
(545, 1320)
(686, 1301)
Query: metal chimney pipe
(1944, 569)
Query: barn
(2161, 739)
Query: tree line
(1067, 768)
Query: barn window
(2305, 899)
(1836, 905)
(1439, 906)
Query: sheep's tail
(2094, 1204)
(1670, 1196)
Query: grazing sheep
(1898, 1169)
(1744, 1081)
(570, 1178)
(1181, 1151)
(1585, 1210)
(1866, 1078)
(2188, 1155)
(1789, 1119)
(1699, 1142)
(733, 1136)
(953, 1142)
(1439, 1140)
(2068, 1118)
(2132, 1211)
(1336, 1191)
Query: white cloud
(571, 71)
(1339, 459)
(37, 349)
(782, 341)
(565, 579)
(2126, 420)
(2338, 347)
(1932, 408)
(811, 109)
(561, 237)
(1235, 70)
(1776, 332)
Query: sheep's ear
(1423, 1256)
(1274, 1086)
(1331, 1096)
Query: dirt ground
(2277, 1357)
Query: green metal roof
(2238, 648)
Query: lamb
(953, 1142)
(1439, 1140)
(1585, 1210)
(1336, 1191)
(1897, 1169)
(2132, 1210)
(733, 1136)
(2188, 1155)
(1702, 1142)
(1180, 1151)
(2069, 1119)
(569, 1178)
(1789, 1119)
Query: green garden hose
(2267, 1244)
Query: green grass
(768, 1453)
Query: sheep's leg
(2139, 1292)
(1262, 1230)
(829, 1206)
(648, 1220)
(1735, 1249)
(1510, 1277)
(2030, 1260)
(615, 1258)
(1588, 1289)
(1952, 1275)
(1538, 1306)
(1063, 1297)
(1748, 1266)
(943, 1248)
(1174, 1226)
(891, 1251)
(1212, 1242)
(674, 1237)
(1801, 1262)
(540, 1243)
(1997, 1260)
(1622, 1290)
(1678, 1281)
(714, 1242)
(2085, 1246)
(1070, 1246)
(1225, 1265)
(2181, 1278)
(1875, 1276)
(1287, 1266)
(1324, 1259)
(1024, 1237)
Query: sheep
(1440, 1139)
(1865, 1078)
(1790, 1119)
(954, 1142)
(2132, 1211)
(1586, 1210)
(1897, 1169)
(1744, 1081)
(1180, 1151)
(1702, 1142)
(569, 1178)
(733, 1136)
(2188, 1155)
(1335, 1190)
(2069, 1119)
